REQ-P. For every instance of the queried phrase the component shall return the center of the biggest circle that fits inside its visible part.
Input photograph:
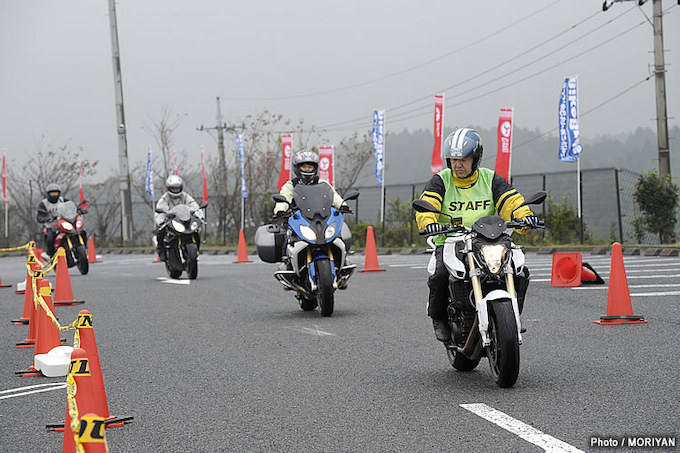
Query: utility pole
(123, 168)
(221, 128)
(660, 84)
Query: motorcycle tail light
(493, 257)
(178, 226)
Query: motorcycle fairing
(455, 266)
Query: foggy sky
(323, 62)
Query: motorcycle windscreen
(181, 212)
(313, 201)
(67, 211)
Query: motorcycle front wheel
(192, 260)
(503, 352)
(325, 288)
(173, 262)
(81, 255)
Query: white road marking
(521, 429)
(36, 389)
(314, 331)
(629, 277)
(173, 281)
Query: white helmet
(305, 157)
(174, 186)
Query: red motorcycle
(71, 234)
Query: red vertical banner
(174, 155)
(326, 163)
(4, 180)
(437, 163)
(504, 148)
(286, 147)
(82, 196)
(205, 181)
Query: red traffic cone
(91, 253)
(371, 258)
(92, 435)
(80, 403)
(242, 250)
(47, 336)
(63, 293)
(569, 270)
(619, 305)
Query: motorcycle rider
(469, 192)
(174, 195)
(47, 213)
(306, 168)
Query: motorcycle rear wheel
(192, 260)
(81, 255)
(503, 352)
(173, 262)
(325, 288)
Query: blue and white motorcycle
(316, 245)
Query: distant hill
(408, 154)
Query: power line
(393, 74)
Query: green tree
(562, 222)
(657, 198)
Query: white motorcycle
(484, 311)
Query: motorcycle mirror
(424, 206)
(203, 205)
(159, 211)
(279, 198)
(537, 198)
(82, 203)
(351, 196)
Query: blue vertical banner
(148, 184)
(239, 145)
(570, 147)
(378, 134)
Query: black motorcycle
(182, 239)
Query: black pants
(160, 245)
(439, 287)
(50, 236)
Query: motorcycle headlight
(493, 257)
(194, 225)
(178, 226)
(79, 224)
(308, 233)
(330, 230)
(66, 225)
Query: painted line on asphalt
(629, 277)
(36, 389)
(665, 285)
(521, 429)
(314, 331)
(173, 281)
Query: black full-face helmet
(53, 192)
(174, 186)
(462, 143)
(305, 157)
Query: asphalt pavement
(230, 363)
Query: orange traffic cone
(619, 305)
(47, 336)
(242, 250)
(80, 403)
(91, 253)
(63, 293)
(92, 435)
(569, 270)
(29, 304)
(371, 258)
(85, 328)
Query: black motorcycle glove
(279, 214)
(433, 228)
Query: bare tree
(162, 132)
(26, 187)
(353, 154)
